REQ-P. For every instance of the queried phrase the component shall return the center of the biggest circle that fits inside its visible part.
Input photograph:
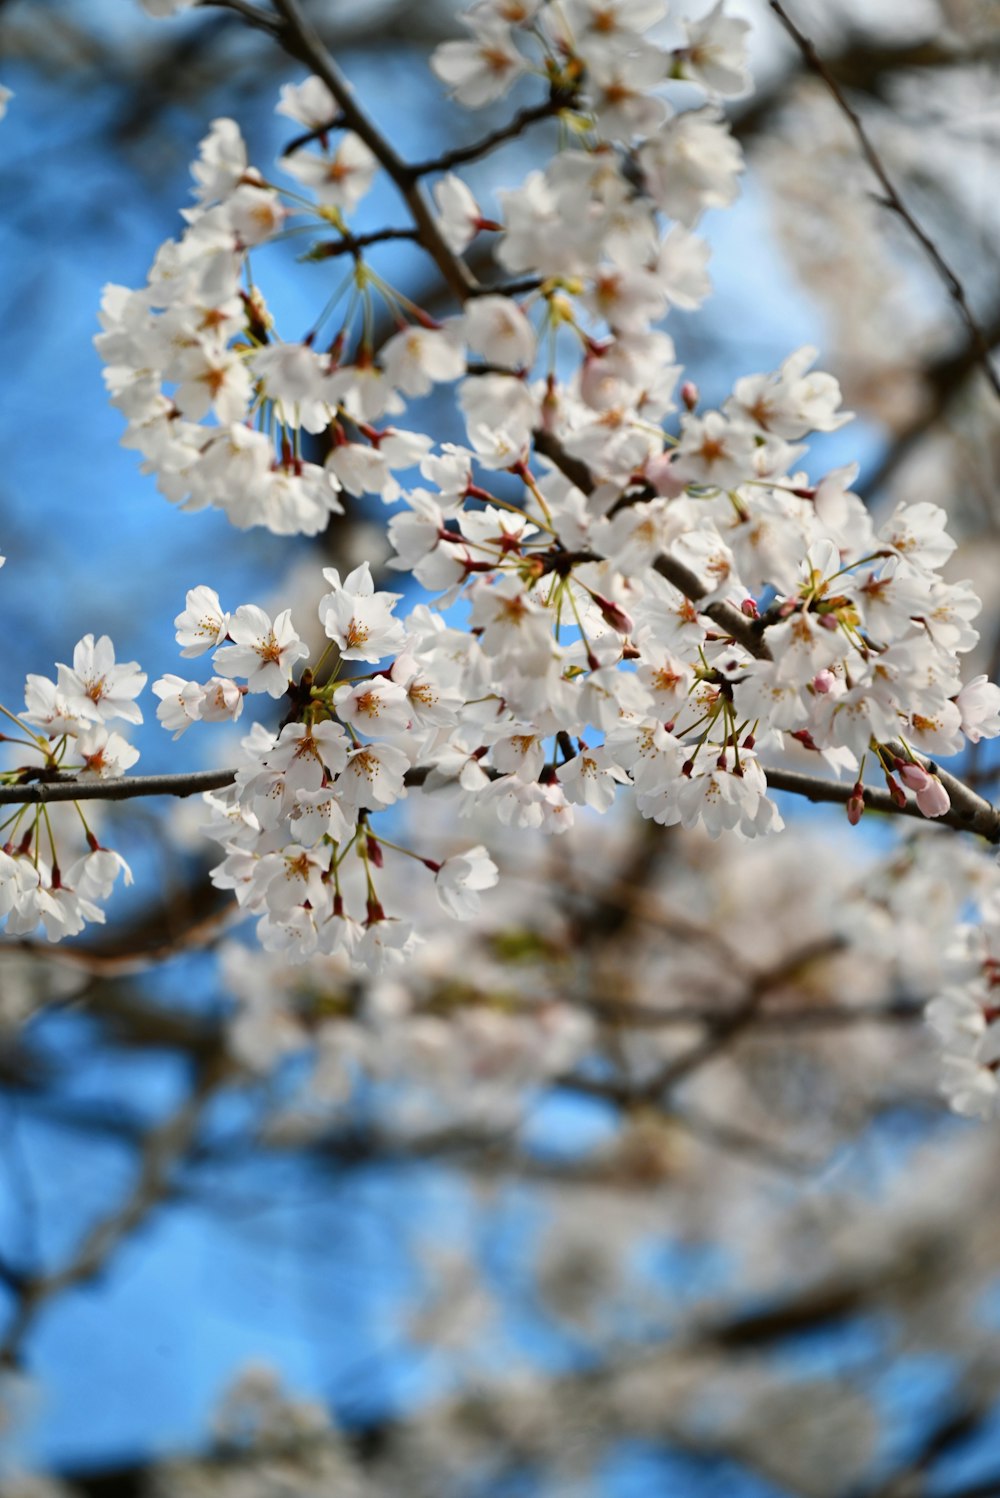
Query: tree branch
(262, 20)
(117, 788)
(729, 619)
(300, 39)
(944, 377)
(557, 101)
(893, 200)
(969, 812)
(161, 1149)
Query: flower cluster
(630, 591)
(966, 1015)
(64, 726)
(304, 797)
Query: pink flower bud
(914, 777)
(690, 394)
(824, 681)
(749, 608)
(895, 791)
(613, 614)
(856, 804)
(373, 848)
(933, 800)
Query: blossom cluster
(64, 726)
(966, 1014)
(303, 799)
(630, 592)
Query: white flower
(619, 87)
(713, 450)
(480, 71)
(310, 103)
(691, 164)
(47, 708)
(18, 878)
(385, 944)
(716, 53)
(459, 214)
(979, 704)
(212, 378)
(917, 533)
(104, 753)
(416, 358)
(96, 688)
(180, 703)
(515, 625)
(222, 701)
(791, 402)
(295, 378)
(256, 214)
(261, 651)
(339, 179)
(358, 619)
(222, 161)
(288, 879)
(592, 778)
(94, 875)
(496, 328)
(460, 879)
(378, 706)
(203, 624)
(373, 777)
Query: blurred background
(641, 1184)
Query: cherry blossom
(262, 652)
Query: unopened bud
(895, 790)
(373, 848)
(749, 608)
(823, 682)
(614, 615)
(856, 804)
(914, 777)
(690, 394)
(934, 800)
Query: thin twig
(557, 101)
(162, 1147)
(350, 244)
(316, 133)
(893, 200)
(300, 39)
(730, 620)
(253, 15)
